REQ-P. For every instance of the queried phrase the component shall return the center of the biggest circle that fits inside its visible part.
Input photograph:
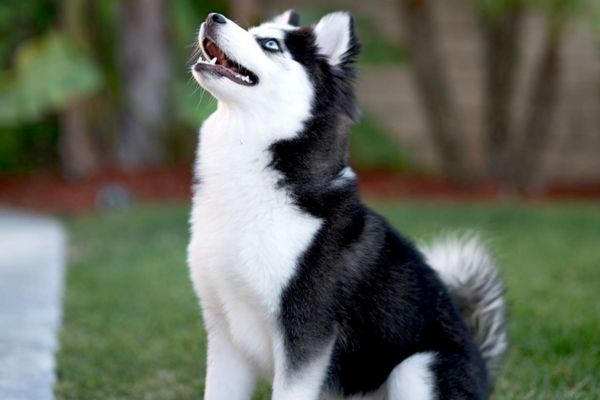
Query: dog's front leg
(293, 381)
(229, 375)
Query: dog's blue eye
(271, 45)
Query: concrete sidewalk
(32, 261)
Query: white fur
(269, 30)
(456, 258)
(345, 176)
(230, 374)
(412, 379)
(247, 233)
(467, 269)
(282, 81)
(305, 384)
(333, 36)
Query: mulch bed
(52, 193)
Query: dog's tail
(467, 269)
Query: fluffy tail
(471, 276)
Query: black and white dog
(299, 282)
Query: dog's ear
(336, 38)
(290, 17)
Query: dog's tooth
(213, 61)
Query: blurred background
(486, 98)
(477, 115)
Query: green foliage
(374, 148)
(21, 20)
(376, 49)
(559, 12)
(556, 9)
(32, 145)
(29, 147)
(187, 15)
(558, 5)
(593, 13)
(49, 72)
(194, 105)
(495, 8)
(590, 11)
(132, 324)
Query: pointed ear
(336, 38)
(290, 17)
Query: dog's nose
(216, 17)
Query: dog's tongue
(213, 51)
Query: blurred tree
(45, 71)
(19, 22)
(432, 82)
(146, 72)
(537, 126)
(501, 22)
(96, 72)
(48, 73)
(513, 155)
(78, 153)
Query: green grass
(132, 328)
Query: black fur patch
(360, 284)
(294, 19)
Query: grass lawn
(132, 326)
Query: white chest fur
(247, 236)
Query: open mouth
(218, 63)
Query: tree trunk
(145, 70)
(537, 127)
(435, 93)
(78, 154)
(502, 36)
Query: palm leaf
(49, 73)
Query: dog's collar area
(218, 63)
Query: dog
(299, 282)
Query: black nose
(216, 17)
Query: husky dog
(299, 282)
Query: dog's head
(279, 64)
